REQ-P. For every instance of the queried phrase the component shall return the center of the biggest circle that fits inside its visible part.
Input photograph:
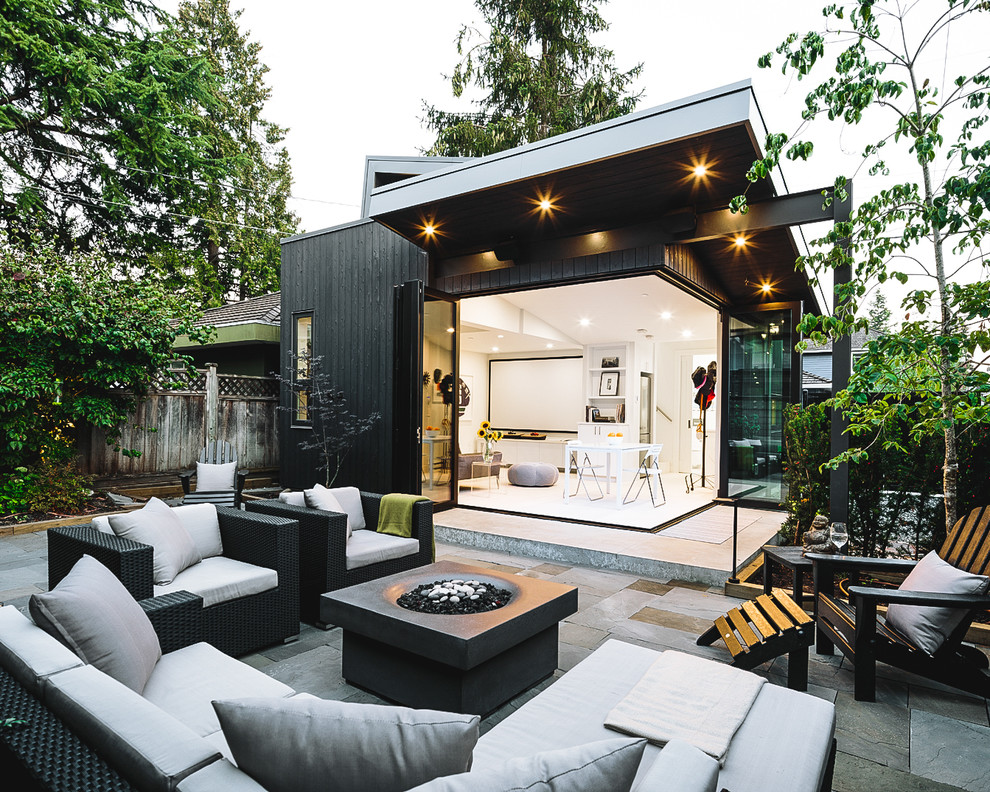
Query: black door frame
(407, 389)
(796, 308)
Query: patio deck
(918, 737)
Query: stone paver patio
(918, 736)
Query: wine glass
(839, 536)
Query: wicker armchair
(43, 752)
(323, 542)
(237, 626)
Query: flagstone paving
(918, 737)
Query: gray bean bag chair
(533, 474)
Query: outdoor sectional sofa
(329, 561)
(169, 737)
(234, 623)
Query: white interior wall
(669, 388)
(475, 366)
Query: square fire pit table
(471, 663)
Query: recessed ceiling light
(767, 288)
(640, 329)
(494, 349)
(545, 205)
(700, 170)
(740, 241)
(549, 346)
(500, 335)
(686, 333)
(665, 315)
(429, 230)
(585, 322)
(450, 329)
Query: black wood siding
(345, 276)
(555, 272)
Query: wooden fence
(172, 425)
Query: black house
(584, 276)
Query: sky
(349, 79)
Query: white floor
(550, 502)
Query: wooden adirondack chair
(214, 454)
(865, 639)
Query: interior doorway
(541, 364)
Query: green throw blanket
(395, 514)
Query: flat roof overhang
(632, 172)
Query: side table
(789, 557)
(490, 470)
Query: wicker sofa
(235, 626)
(168, 739)
(323, 548)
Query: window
(302, 356)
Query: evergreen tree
(96, 121)
(242, 215)
(542, 75)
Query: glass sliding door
(441, 393)
(763, 374)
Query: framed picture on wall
(609, 385)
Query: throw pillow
(211, 478)
(158, 526)
(350, 499)
(201, 520)
(292, 498)
(321, 498)
(609, 764)
(310, 745)
(92, 613)
(925, 626)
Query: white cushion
(186, 682)
(682, 768)
(292, 498)
(92, 613)
(572, 710)
(102, 523)
(594, 767)
(323, 499)
(147, 745)
(925, 626)
(221, 579)
(310, 745)
(157, 525)
(371, 547)
(350, 499)
(28, 652)
(201, 520)
(220, 775)
(213, 478)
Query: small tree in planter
(317, 400)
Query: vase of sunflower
(491, 437)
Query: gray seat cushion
(533, 474)
(144, 743)
(29, 653)
(222, 579)
(572, 711)
(370, 547)
(187, 681)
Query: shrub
(49, 486)
(806, 449)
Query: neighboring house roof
(254, 321)
(816, 362)
(266, 309)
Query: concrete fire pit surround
(469, 663)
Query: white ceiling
(617, 310)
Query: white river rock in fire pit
(455, 597)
